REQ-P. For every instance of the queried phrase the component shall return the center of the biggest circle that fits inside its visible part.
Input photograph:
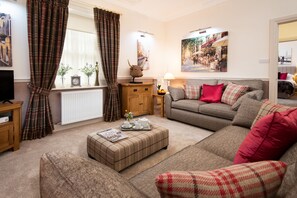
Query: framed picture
(205, 53)
(284, 54)
(143, 53)
(5, 43)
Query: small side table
(160, 98)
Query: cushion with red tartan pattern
(258, 179)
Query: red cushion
(283, 76)
(270, 137)
(212, 93)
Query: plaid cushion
(259, 179)
(233, 92)
(192, 91)
(268, 108)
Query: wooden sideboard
(10, 131)
(137, 98)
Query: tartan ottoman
(121, 154)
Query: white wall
(20, 49)
(248, 24)
(81, 19)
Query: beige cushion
(219, 110)
(256, 94)
(66, 175)
(177, 93)
(247, 112)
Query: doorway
(274, 55)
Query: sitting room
(146, 98)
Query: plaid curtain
(47, 21)
(108, 33)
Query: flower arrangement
(62, 71)
(88, 70)
(128, 115)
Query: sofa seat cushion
(219, 110)
(188, 105)
(189, 159)
(66, 175)
(259, 179)
(224, 142)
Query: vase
(97, 78)
(62, 77)
(88, 80)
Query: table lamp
(168, 76)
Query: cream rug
(19, 170)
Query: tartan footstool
(126, 152)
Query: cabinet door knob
(146, 89)
(135, 90)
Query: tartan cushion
(192, 91)
(268, 108)
(258, 179)
(233, 92)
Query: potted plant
(88, 70)
(62, 71)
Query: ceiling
(164, 10)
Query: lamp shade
(168, 76)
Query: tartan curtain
(47, 21)
(108, 34)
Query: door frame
(273, 53)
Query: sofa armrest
(168, 101)
(66, 175)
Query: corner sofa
(66, 175)
(212, 116)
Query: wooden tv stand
(10, 131)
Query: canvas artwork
(143, 53)
(284, 55)
(205, 53)
(5, 44)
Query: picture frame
(5, 40)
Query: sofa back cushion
(177, 93)
(260, 179)
(289, 182)
(256, 94)
(269, 138)
(233, 92)
(247, 112)
(252, 83)
(212, 93)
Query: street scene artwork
(205, 53)
(5, 40)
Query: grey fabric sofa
(212, 116)
(66, 175)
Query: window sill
(78, 88)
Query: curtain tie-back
(113, 87)
(38, 90)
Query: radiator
(81, 105)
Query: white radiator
(81, 105)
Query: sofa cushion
(269, 138)
(247, 112)
(188, 105)
(289, 181)
(177, 93)
(268, 108)
(290, 156)
(212, 93)
(190, 158)
(225, 142)
(233, 92)
(256, 94)
(66, 175)
(259, 179)
(219, 110)
(192, 92)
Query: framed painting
(5, 43)
(143, 51)
(205, 53)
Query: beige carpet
(19, 170)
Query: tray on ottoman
(126, 152)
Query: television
(6, 86)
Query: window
(80, 48)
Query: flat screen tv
(6, 85)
